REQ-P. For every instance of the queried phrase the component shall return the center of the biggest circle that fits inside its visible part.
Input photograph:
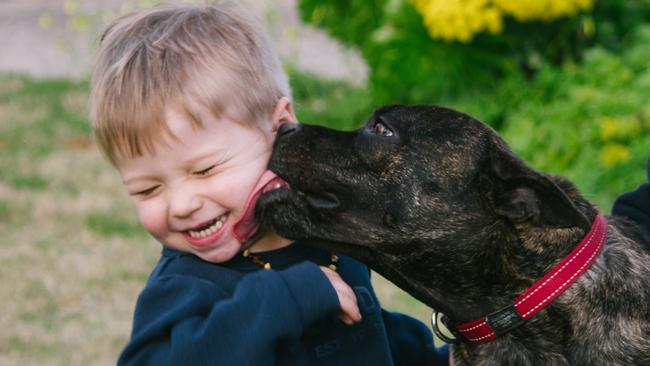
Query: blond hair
(214, 57)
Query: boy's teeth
(208, 231)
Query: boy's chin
(220, 254)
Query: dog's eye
(381, 129)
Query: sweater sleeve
(182, 320)
(411, 342)
(635, 205)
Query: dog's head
(413, 180)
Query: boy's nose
(183, 205)
(287, 129)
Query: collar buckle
(436, 319)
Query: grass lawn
(72, 256)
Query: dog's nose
(287, 129)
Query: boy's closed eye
(145, 192)
(205, 171)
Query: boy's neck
(269, 241)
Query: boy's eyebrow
(214, 154)
(197, 158)
(138, 177)
(187, 163)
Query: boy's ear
(283, 113)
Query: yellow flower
(608, 127)
(461, 20)
(613, 154)
(458, 20)
(619, 127)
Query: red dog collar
(538, 296)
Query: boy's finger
(356, 315)
(345, 318)
(350, 307)
(352, 312)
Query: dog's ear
(521, 194)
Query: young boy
(185, 103)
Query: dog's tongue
(246, 227)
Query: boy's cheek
(152, 220)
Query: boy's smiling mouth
(207, 233)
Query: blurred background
(566, 82)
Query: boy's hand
(350, 313)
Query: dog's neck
(469, 278)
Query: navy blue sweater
(192, 312)
(635, 206)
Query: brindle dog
(436, 202)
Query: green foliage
(385, 34)
(617, 20)
(407, 66)
(329, 102)
(346, 20)
(589, 122)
